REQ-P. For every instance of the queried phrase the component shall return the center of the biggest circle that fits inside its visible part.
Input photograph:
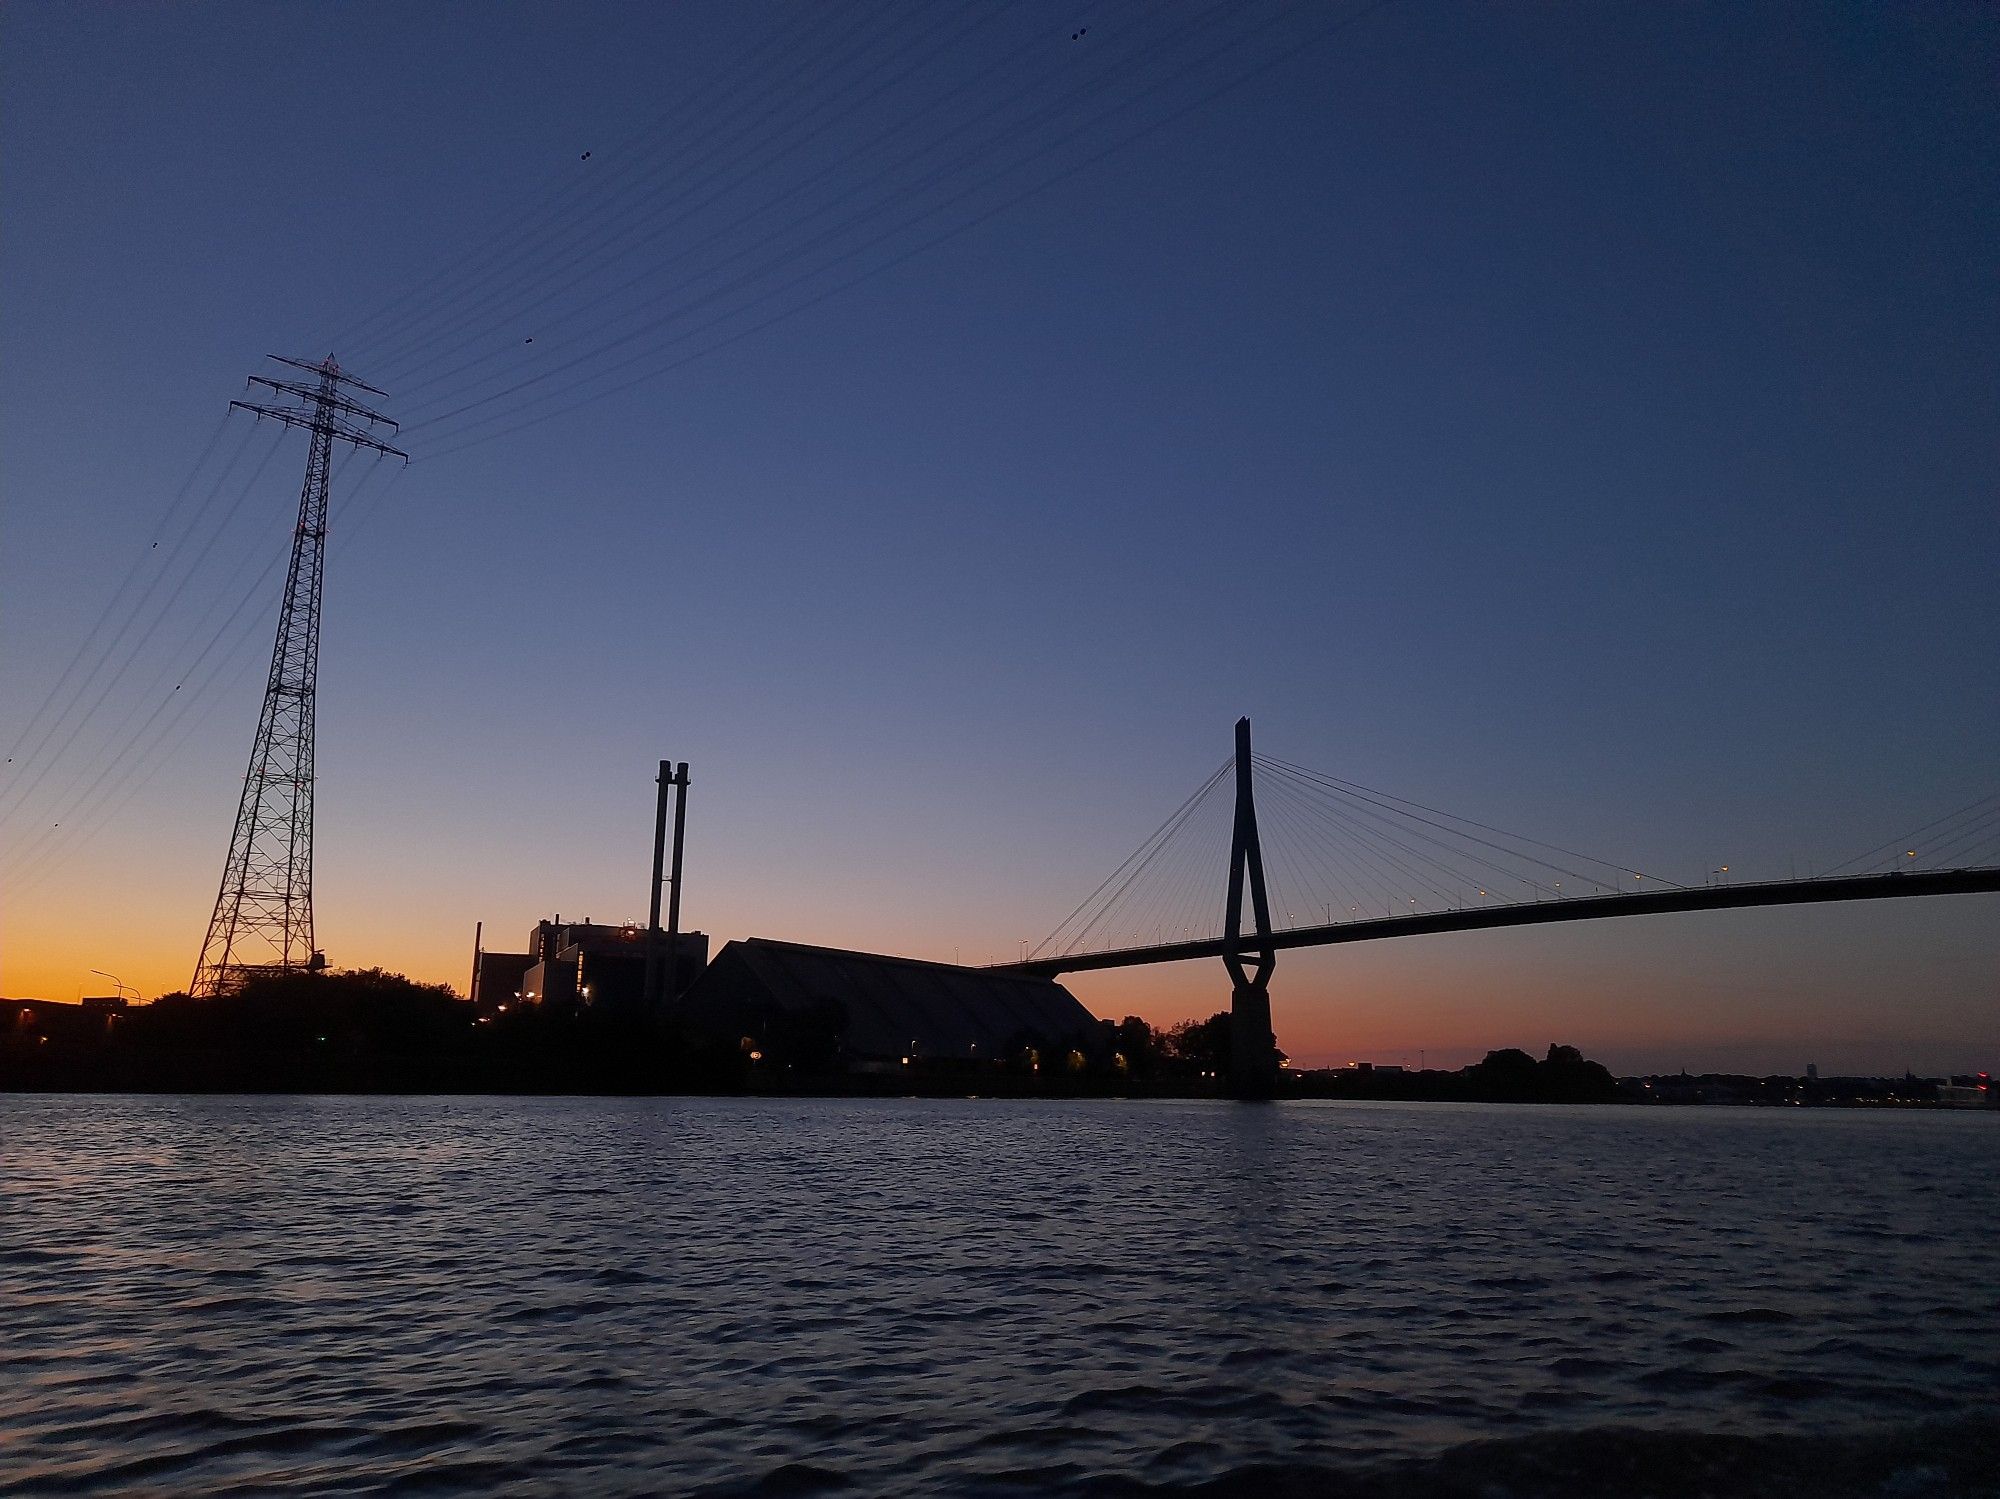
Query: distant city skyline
(1577, 419)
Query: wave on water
(919, 1298)
(1957, 1459)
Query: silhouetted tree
(1566, 1077)
(1141, 1046)
(1506, 1075)
(363, 1010)
(1512, 1076)
(1198, 1046)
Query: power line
(138, 758)
(122, 590)
(387, 352)
(513, 420)
(855, 219)
(41, 764)
(561, 230)
(725, 181)
(516, 232)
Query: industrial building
(866, 1012)
(582, 963)
(819, 1009)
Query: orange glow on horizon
(1653, 994)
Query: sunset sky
(1581, 418)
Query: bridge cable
(1456, 875)
(1330, 852)
(1374, 838)
(1382, 798)
(1955, 842)
(1125, 891)
(1910, 838)
(1141, 855)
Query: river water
(590, 1296)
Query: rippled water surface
(328, 1295)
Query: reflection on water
(672, 1295)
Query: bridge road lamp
(117, 982)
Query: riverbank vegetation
(371, 1031)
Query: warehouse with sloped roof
(869, 1011)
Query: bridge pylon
(1253, 1049)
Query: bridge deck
(1582, 908)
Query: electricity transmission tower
(263, 921)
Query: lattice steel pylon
(263, 921)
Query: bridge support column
(1253, 1050)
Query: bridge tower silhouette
(1253, 1049)
(263, 919)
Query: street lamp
(120, 983)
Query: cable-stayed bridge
(1540, 913)
(1331, 861)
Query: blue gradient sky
(1578, 417)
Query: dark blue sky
(1578, 417)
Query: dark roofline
(607, 926)
(980, 971)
